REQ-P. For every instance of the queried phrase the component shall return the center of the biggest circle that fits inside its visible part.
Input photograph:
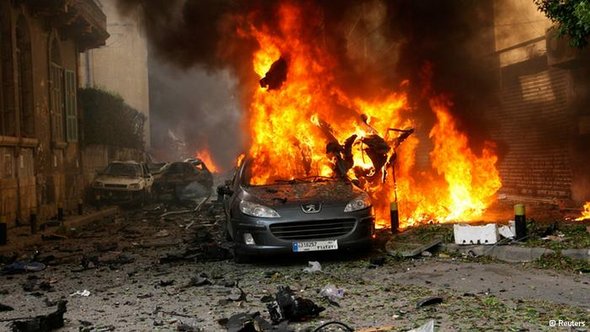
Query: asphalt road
(143, 272)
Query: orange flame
(291, 126)
(206, 157)
(585, 213)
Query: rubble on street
(149, 268)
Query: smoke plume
(377, 46)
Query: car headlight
(134, 186)
(361, 202)
(98, 184)
(257, 210)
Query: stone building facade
(40, 164)
(121, 66)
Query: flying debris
(276, 75)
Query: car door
(228, 199)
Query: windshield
(119, 169)
(303, 176)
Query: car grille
(120, 186)
(316, 229)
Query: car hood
(117, 179)
(306, 192)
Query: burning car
(123, 181)
(183, 181)
(296, 215)
(203, 170)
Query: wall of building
(536, 121)
(121, 66)
(40, 169)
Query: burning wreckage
(312, 212)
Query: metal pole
(519, 222)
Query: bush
(108, 120)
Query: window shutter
(71, 109)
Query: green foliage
(557, 261)
(572, 18)
(109, 120)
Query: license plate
(315, 245)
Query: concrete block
(467, 234)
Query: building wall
(121, 66)
(40, 168)
(537, 117)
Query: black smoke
(377, 45)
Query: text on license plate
(315, 245)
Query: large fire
(292, 122)
(206, 157)
(585, 213)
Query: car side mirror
(224, 190)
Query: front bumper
(267, 241)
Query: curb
(515, 254)
(25, 242)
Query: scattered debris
(426, 254)
(411, 250)
(314, 266)
(53, 237)
(87, 262)
(200, 280)
(332, 293)
(22, 267)
(267, 298)
(166, 283)
(251, 322)
(276, 75)
(100, 328)
(84, 293)
(429, 301)
(184, 327)
(293, 309)
(42, 323)
(341, 326)
(377, 261)
(427, 327)
(237, 294)
(4, 307)
(468, 234)
(508, 232)
(162, 233)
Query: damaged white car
(123, 181)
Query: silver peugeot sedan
(310, 214)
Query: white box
(467, 234)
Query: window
(1, 79)
(71, 109)
(7, 109)
(24, 79)
(56, 92)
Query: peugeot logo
(311, 208)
